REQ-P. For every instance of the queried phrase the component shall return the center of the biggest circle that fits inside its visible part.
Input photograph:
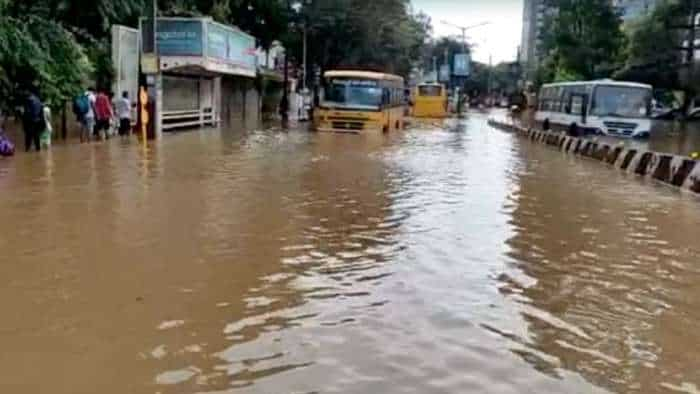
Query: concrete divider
(679, 171)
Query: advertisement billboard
(462, 65)
(179, 37)
(231, 48)
(199, 42)
(217, 41)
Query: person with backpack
(103, 113)
(84, 110)
(33, 121)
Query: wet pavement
(448, 258)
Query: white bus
(604, 107)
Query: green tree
(583, 40)
(384, 35)
(652, 53)
(40, 53)
(55, 45)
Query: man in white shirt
(123, 107)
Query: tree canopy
(384, 35)
(653, 54)
(60, 45)
(583, 40)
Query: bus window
(559, 99)
(576, 104)
(430, 91)
(566, 99)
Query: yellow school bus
(430, 101)
(360, 102)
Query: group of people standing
(36, 121)
(96, 113)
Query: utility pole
(464, 51)
(303, 72)
(447, 64)
(464, 31)
(691, 34)
(691, 41)
(284, 103)
(690, 55)
(435, 67)
(490, 82)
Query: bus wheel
(573, 130)
(546, 125)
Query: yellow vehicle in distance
(430, 101)
(360, 102)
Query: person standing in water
(46, 134)
(33, 120)
(123, 109)
(103, 114)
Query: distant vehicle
(430, 101)
(603, 107)
(361, 101)
(662, 111)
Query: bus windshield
(621, 101)
(430, 91)
(353, 93)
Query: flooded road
(443, 259)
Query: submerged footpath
(675, 170)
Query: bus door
(386, 107)
(578, 105)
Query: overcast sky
(500, 39)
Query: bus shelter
(185, 71)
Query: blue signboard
(462, 65)
(217, 41)
(179, 37)
(213, 46)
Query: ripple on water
(435, 260)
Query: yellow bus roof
(363, 75)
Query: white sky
(500, 39)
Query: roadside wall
(674, 170)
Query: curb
(678, 171)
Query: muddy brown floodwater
(444, 259)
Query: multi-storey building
(535, 14)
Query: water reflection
(447, 258)
(604, 275)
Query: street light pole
(490, 82)
(284, 104)
(464, 51)
(464, 31)
(304, 65)
(435, 70)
